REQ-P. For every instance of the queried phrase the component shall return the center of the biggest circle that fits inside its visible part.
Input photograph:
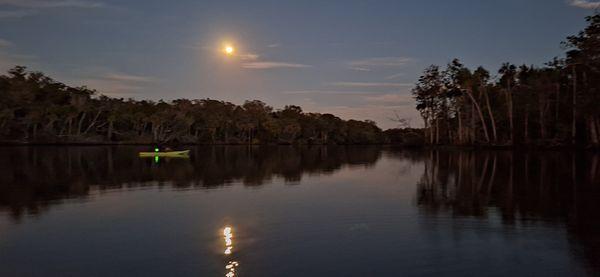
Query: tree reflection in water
(520, 187)
(548, 187)
(35, 178)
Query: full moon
(229, 50)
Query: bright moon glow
(229, 50)
(228, 236)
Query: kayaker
(162, 148)
(159, 148)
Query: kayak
(183, 153)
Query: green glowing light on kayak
(155, 149)
(156, 158)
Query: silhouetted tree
(34, 108)
(520, 104)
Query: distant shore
(423, 146)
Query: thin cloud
(248, 57)
(32, 7)
(128, 78)
(112, 88)
(114, 83)
(360, 105)
(326, 92)
(584, 4)
(391, 99)
(274, 45)
(370, 85)
(16, 14)
(380, 62)
(360, 68)
(5, 43)
(395, 76)
(272, 65)
(253, 60)
(378, 113)
(42, 4)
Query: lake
(298, 211)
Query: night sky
(355, 59)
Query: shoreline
(433, 147)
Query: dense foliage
(557, 104)
(35, 108)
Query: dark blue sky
(352, 58)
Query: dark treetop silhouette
(553, 105)
(35, 108)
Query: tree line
(557, 104)
(34, 108)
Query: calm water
(285, 211)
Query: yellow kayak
(173, 154)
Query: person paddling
(163, 148)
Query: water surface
(298, 211)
